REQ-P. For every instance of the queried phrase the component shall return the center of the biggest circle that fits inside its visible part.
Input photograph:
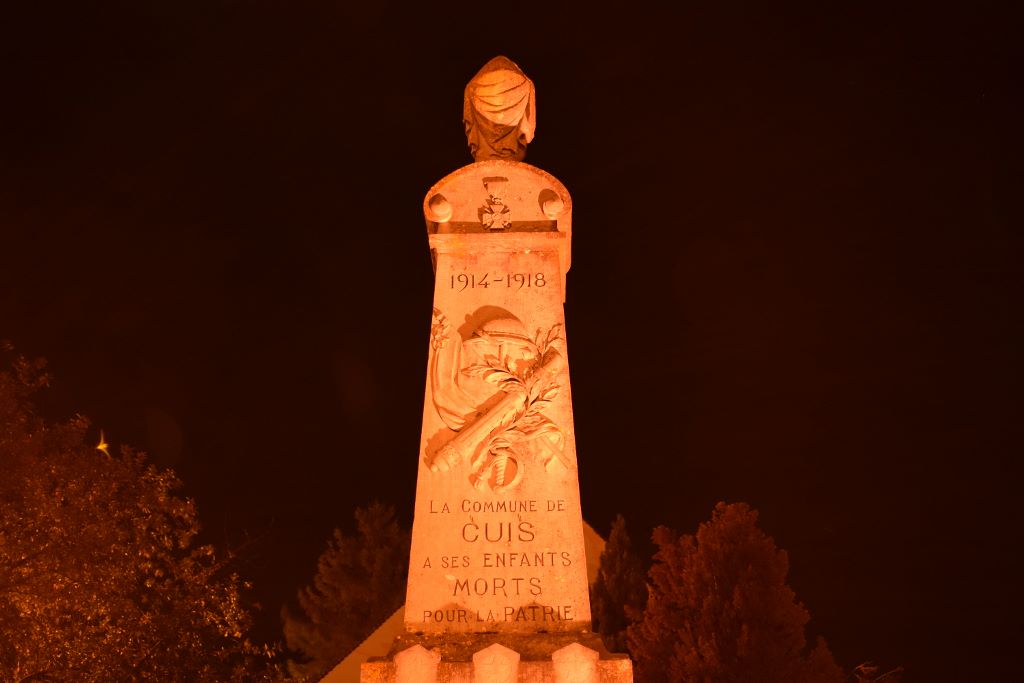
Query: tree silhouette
(620, 591)
(719, 610)
(359, 582)
(100, 575)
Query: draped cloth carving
(499, 111)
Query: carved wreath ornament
(492, 389)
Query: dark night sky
(795, 280)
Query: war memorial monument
(497, 588)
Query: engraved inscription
(497, 556)
(543, 613)
(461, 281)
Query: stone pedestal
(498, 586)
(497, 538)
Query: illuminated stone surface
(496, 664)
(499, 111)
(575, 664)
(497, 537)
(416, 665)
(497, 571)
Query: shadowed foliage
(100, 575)
(359, 582)
(719, 610)
(619, 592)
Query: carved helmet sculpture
(506, 327)
(506, 336)
(499, 111)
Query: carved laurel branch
(545, 341)
(440, 329)
(524, 423)
(500, 371)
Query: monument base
(499, 658)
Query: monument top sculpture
(499, 111)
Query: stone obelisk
(498, 585)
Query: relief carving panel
(492, 389)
